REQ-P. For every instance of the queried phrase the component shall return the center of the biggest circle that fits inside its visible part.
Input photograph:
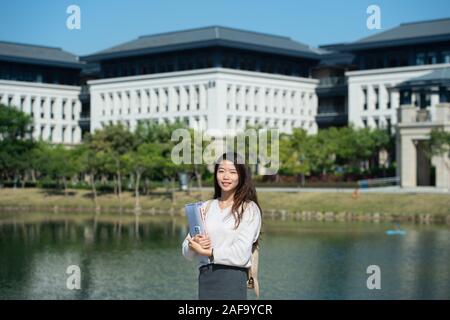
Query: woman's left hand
(197, 247)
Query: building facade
(386, 59)
(225, 79)
(221, 99)
(44, 82)
(374, 100)
(210, 78)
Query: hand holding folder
(195, 219)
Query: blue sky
(105, 23)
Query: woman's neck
(227, 196)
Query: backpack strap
(204, 211)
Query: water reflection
(138, 257)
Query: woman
(233, 224)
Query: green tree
(147, 157)
(112, 142)
(58, 163)
(16, 143)
(294, 154)
(440, 145)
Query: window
(405, 97)
(446, 57)
(52, 105)
(365, 98)
(73, 110)
(377, 105)
(22, 103)
(431, 58)
(364, 123)
(63, 134)
(420, 59)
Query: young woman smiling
(232, 223)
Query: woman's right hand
(204, 241)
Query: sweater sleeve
(240, 252)
(188, 253)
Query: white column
(4, 98)
(183, 99)
(27, 104)
(132, 104)
(408, 167)
(161, 100)
(217, 98)
(143, 102)
(232, 97)
(77, 110)
(153, 101)
(57, 133)
(65, 137)
(171, 100)
(202, 97)
(46, 105)
(251, 99)
(57, 109)
(191, 98)
(115, 103)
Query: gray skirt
(220, 282)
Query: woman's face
(227, 175)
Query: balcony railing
(332, 81)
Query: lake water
(121, 258)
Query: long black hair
(245, 190)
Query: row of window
(404, 58)
(387, 124)
(422, 99)
(255, 108)
(192, 60)
(239, 122)
(156, 97)
(35, 106)
(163, 120)
(49, 133)
(377, 99)
(39, 74)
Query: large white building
(44, 83)
(222, 99)
(210, 78)
(374, 99)
(225, 79)
(386, 60)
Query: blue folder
(194, 218)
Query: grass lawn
(399, 204)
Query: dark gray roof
(435, 77)
(34, 54)
(405, 34)
(204, 37)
